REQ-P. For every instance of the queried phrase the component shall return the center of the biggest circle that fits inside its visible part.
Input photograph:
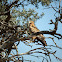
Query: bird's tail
(42, 41)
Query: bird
(34, 29)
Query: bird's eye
(45, 41)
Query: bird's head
(31, 22)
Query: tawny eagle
(34, 29)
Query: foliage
(13, 29)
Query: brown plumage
(39, 37)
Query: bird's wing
(34, 29)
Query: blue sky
(42, 24)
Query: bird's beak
(29, 22)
